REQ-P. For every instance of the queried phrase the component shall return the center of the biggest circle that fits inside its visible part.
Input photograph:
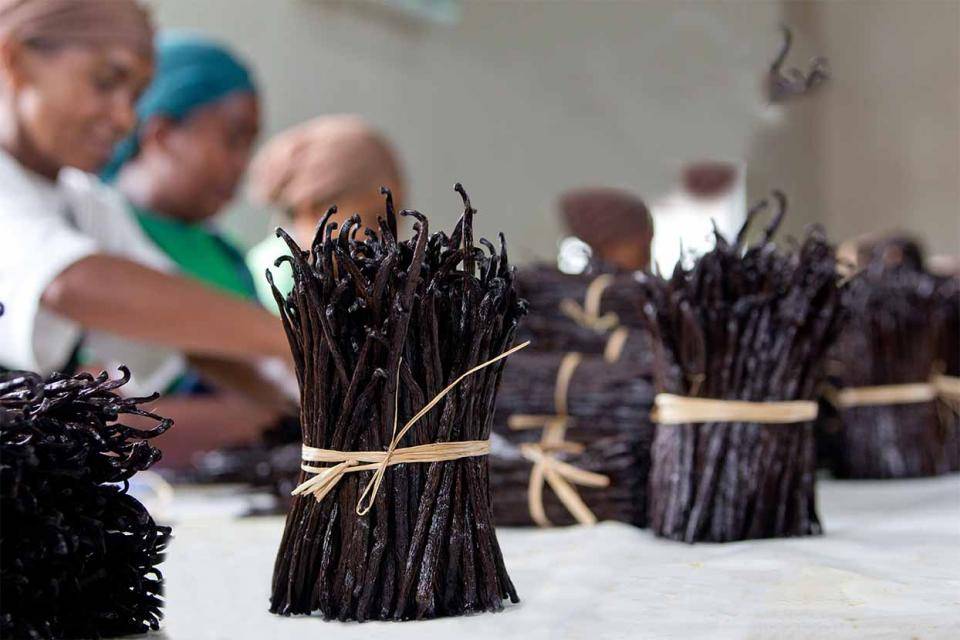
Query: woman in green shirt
(197, 124)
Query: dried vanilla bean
(747, 324)
(362, 309)
(79, 554)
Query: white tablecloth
(887, 567)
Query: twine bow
(324, 479)
(588, 315)
(561, 476)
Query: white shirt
(45, 227)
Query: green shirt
(261, 258)
(199, 252)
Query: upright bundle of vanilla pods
(889, 350)
(79, 554)
(608, 433)
(379, 325)
(742, 324)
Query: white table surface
(887, 567)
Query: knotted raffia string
(672, 409)
(561, 476)
(588, 315)
(324, 479)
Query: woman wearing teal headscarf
(197, 123)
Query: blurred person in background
(75, 268)
(890, 249)
(615, 224)
(331, 160)
(179, 168)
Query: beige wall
(522, 99)
(887, 150)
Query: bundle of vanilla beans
(560, 318)
(948, 363)
(891, 340)
(744, 323)
(377, 323)
(79, 554)
(609, 426)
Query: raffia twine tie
(324, 479)
(880, 395)
(615, 344)
(948, 388)
(588, 315)
(671, 409)
(561, 476)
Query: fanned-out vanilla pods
(79, 554)
(433, 306)
(609, 411)
(891, 339)
(742, 324)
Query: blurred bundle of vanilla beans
(572, 424)
(751, 325)
(947, 366)
(894, 370)
(574, 439)
(580, 312)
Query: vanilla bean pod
(891, 340)
(79, 554)
(609, 415)
(378, 323)
(748, 324)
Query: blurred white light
(573, 255)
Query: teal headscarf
(191, 72)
